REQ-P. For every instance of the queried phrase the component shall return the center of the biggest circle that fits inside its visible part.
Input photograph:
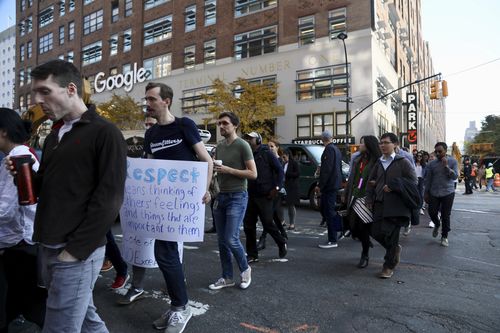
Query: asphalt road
(434, 289)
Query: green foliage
(255, 104)
(490, 132)
(123, 111)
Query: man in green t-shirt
(234, 164)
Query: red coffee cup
(22, 165)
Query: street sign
(411, 103)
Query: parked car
(309, 158)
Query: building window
(71, 56)
(29, 24)
(321, 123)
(127, 40)
(264, 81)
(21, 53)
(306, 30)
(322, 82)
(340, 123)
(21, 103)
(23, 5)
(28, 99)
(193, 102)
(126, 68)
(46, 16)
(303, 126)
(255, 43)
(71, 5)
(62, 8)
(190, 18)
(337, 22)
(30, 3)
(189, 57)
(113, 45)
(92, 53)
(113, 71)
(128, 8)
(45, 43)
(71, 30)
(60, 57)
(29, 49)
(158, 30)
(115, 12)
(21, 78)
(210, 12)
(28, 77)
(61, 35)
(86, 2)
(158, 67)
(92, 22)
(244, 7)
(209, 52)
(153, 3)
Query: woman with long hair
(278, 216)
(18, 254)
(359, 216)
(292, 174)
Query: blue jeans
(70, 306)
(489, 184)
(167, 257)
(229, 210)
(333, 222)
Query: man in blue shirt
(440, 178)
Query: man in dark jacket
(80, 185)
(467, 176)
(390, 212)
(261, 194)
(330, 175)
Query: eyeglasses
(223, 123)
(438, 151)
(385, 142)
(148, 124)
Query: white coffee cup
(218, 162)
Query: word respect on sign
(163, 199)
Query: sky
(462, 35)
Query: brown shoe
(386, 273)
(106, 266)
(398, 254)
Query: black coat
(292, 182)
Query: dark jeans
(278, 217)
(114, 255)
(167, 257)
(361, 231)
(386, 232)
(443, 205)
(19, 291)
(468, 186)
(328, 201)
(260, 207)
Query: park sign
(120, 80)
(411, 103)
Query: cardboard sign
(163, 200)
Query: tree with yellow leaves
(123, 111)
(254, 103)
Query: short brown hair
(165, 91)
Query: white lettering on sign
(117, 81)
(411, 99)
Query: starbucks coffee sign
(120, 80)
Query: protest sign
(163, 200)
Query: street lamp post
(343, 36)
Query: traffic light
(444, 88)
(434, 89)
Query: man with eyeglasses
(389, 210)
(440, 177)
(234, 164)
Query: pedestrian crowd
(64, 238)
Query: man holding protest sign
(234, 165)
(172, 139)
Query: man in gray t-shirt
(234, 164)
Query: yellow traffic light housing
(434, 89)
(444, 88)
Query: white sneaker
(431, 224)
(246, 278)
(221, 283)
(422, 212)
(407, 230)
(176, 321)
(444, 242)
(328, 245)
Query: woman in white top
(19, 291)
